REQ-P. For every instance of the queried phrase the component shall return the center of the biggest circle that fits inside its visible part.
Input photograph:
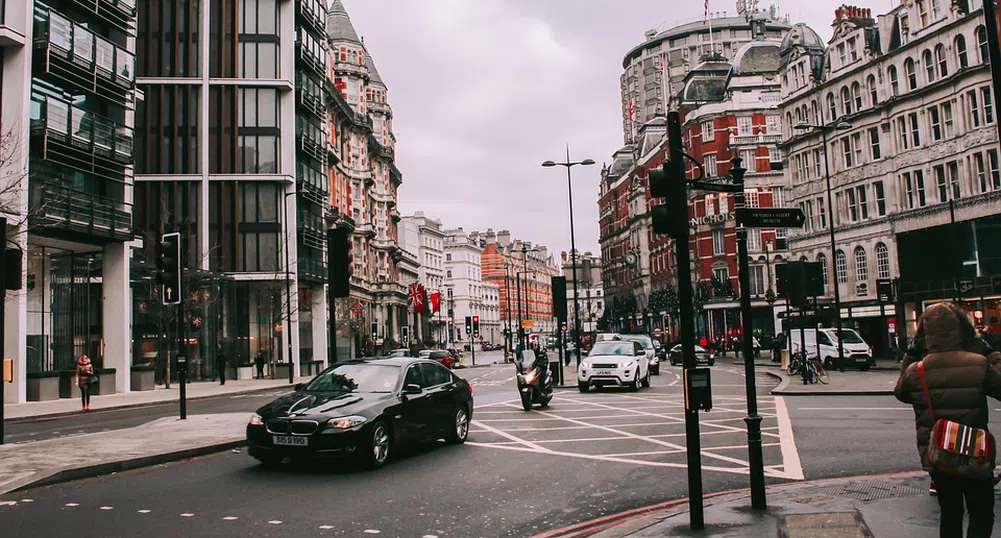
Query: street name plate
(715, 187)
(771, 217)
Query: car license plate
(290, 440)
(604, 372)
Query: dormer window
(853, 48)
(842, 54)
(923, 12)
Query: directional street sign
(771, 217)
(715, 187)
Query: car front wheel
(380, 443)
(583, 386)
(635, 385)
(646, 380)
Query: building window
(923, 12)
(863, 201)
(861, 265)
(825, 270)
(846, 100)
(821, 205)
(874, 144)
(817, 159)
(992, 160)
(719, 245)
(852, 49)
(753, 239)
(842, 54)
(981, 171)
(952, 172)
(879, 195)
(258, 131)
(985, 93)
(778, 197)
(857, 96)
(709, 163)
(846, 147)
(841, 267)
(743, 125)
(985, 56)
(902, 130)
(882, 261)
(961, 55)
(911, 73)
(891, 73)
(870, 83)
(852, 205)
(774, 155)
(908, 189)
(747, 155)
(936, 123)
(832, 107)
(448, 257)
(751, 198)
(757, 280)
(721, 273)
(857, 147)
(773, 124)
(448, 274)
(940, 59)
(915, 130)
(929, 66)
(971, 99)
(708, 132)
(948, 125)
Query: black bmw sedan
(364, 409)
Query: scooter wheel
(526, 401)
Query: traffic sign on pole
(715, 187)
(771, 217)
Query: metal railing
(66, 209)
(84, 129)
(89, 52)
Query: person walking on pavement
(221, 362)
(259, 363)
(948, 367)
(84, 379)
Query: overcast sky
(484, 91)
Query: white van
(857, 351)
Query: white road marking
(72, 505)
(8, 503)
(187, 514)
(275, 522)
(27, 500)
(372, 531)
(792, 467)
(231, 518)
(658, 452)
(143, 511)
(510, 437)
(326, 527)
(856, 409)
(107, 508)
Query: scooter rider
(542, 361)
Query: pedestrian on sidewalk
(959, 373)
(221, 363)
(259, 363)
(84, 379)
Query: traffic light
(476, 326)
(375, 330)
(469, 325)
(669, 182)
(169, 272)
(339, 262)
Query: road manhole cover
(824, 525)
(869, 490)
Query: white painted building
(463, 283)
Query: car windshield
(644, 341)
(698, 349)
(851, 337)
(612, 348)
(356, 378)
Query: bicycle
(795, 363)
(818, 372)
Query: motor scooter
(534, 386)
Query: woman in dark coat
(84, 371)
(961, 373)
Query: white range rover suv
(615, 362)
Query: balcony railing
(60, 211)
(312, 237)
(75, 137)
(312, 12)
(309, 146)
(313, 270)
(120, 13)
(71, 53)
(312, 103)
(741, 140)
(311, 192)
(311, 59)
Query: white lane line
(72, 505)
(27, 500)
(677, 379)
(275, 522)
(230, 518)
(187, 514)
(372, 531)
(144, 511)
(326, 527)
(856, 409)
(510, 437)
(659, 452)
(107, 508)
(8, 503)
(791, 465)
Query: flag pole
(709, 20)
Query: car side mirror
(412, 389)
(298, 386)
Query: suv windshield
(644, 340)
(356, 378)
(851, 337)
(612, 348)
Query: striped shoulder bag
(956, 448)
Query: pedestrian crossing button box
(698, 390)
(182, 363)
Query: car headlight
(256, 420)
(345, 423)
(585, 364)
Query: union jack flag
(417, 297)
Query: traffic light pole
(753, 420)
(677, 200)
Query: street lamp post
(507, 301)
(288, 292)
(841, 126)
(573, 245)
(524, 258)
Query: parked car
(618, 363)
(456, 355)
(400, 353)
(424, 353)
(702, 356)
(443, 357)
(364, 409)
(648, 349)
(856, 351)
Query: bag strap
(924, 388)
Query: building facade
(463, 284)
(68, 116)
(905, 101)
(424, 238)
(590, 291)
(655, 70)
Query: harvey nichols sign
(710, 219)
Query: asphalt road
(521, 473)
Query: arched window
(826, 271)
(841, 267)
(985, 56)
(846, 100)
(815, 112)
(943, 64)
(832, 107)
(857, 96)
(882, 261)
(799, 115)
(891, 74)
(870, 83)
(911, 74)
(961, 55)
(861, 265)
(929, 66)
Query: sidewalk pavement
(869, 506)
(847, 383)
(195, 391)
(40, 463)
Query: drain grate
(824, 525)
(869, 490)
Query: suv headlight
(256, 420)
(585, 364)
(346, 423)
